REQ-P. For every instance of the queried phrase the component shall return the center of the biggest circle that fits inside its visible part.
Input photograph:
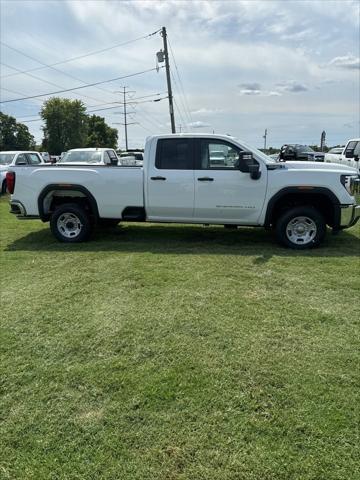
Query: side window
(218, 154)
(174, 154)
(33, 158)
(21, 159)
(351, 147)
(357, 149)
(112, 155)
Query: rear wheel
(70, 223)
(301, 228)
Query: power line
(180, 81)
(53, 68)
(83, 86)
(48, 82)
(73, 58)
(182, 104)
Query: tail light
(10, 181)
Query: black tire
(70, 223)
(300, 228)
(3, 187)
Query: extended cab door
(170, 181)
(223, 193)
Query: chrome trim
(349, 215)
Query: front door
(223, 193)
(170, 182)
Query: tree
(13, 135)
(100, 134)
(65, 124)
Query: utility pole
(264, 137)
(167, 68)
(125, 124)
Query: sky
(237, 67)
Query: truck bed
(114, 187)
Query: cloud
(198, 124)
(347, 61)
(207, 111)
(292, 87)
(255, 88)
(251, 86)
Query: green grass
(177, 352)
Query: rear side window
(174, 154)
(21, 159)
(33, 158)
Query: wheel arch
(319, 197)
(69, 193)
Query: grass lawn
(177, 352)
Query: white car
(46, 157)
(334, 154)
(131, 158)
(86, 156)
(10, 158)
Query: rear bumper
(349, 215)
(17, 208)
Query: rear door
(223, 193)
(170, 181)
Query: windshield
(81, 156)
(6, 158)
(304, 148)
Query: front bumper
(349, 215)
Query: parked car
(11, 158)
(333, 155)
(298, 152)
(131, 158)
(296, 199)
(46, 157)
(351, 153)
(85, 156)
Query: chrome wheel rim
(301, 230)
(69, 225)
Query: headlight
(351, 183)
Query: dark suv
(300, 153)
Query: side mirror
(247, 164)
(254, 171)
(245, 159)
(356, 158)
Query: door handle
(205, 179)
(157, 178)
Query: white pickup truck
(179, 183)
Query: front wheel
(301, 228)
(70, 223)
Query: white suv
(10, 158)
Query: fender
(58, 186)
(304, 191)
